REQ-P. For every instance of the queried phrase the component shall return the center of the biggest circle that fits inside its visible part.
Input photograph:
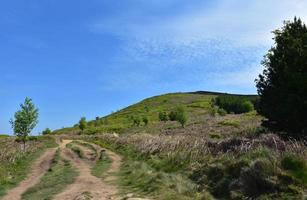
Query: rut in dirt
(86, 185)
(39, 168)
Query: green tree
(82, 123)
(163, 116)
(25, 120)
(47, 131)
(282, 86)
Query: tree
(47, 131)
(163, 116)
(82, 123)
(282, 86)
(25, 120)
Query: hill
(198, 105)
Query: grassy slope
(197, 106)
(15, 164)
(204, 158)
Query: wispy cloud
(221, 43)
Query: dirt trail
(86, 185)
(40, 166)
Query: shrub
(163, 116)
(221, 112)
(179, 115)
(172, 116)
(145, 120)
(82, 123)
(136, 121)
(47, 131)
(235, 104)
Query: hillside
(198, 106)
(216, 155)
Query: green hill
(198, 106)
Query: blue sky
(88, 58)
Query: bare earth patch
(86, 185)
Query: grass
(53, 182)
(101, 166)
(75, 149)
(296, 166)
(16, 163)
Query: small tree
(163, 116)
(181, 116)
(25, 120)
(82, 123)
(47, 131)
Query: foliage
(47, 131)
(136, 121)
(235, 104)
(179, 114)
(145, 120)
(163, 116)
(82, 123)
(25, 120)
(283, 84)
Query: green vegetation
(283, 85)
(234, 104)
(16, 163)
(163, 116)
(102, 165)
(54, 181)
(47, 131)
(82, 123)
(122, 120)
(75, 149)
(25, 120)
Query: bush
(163, 116)
(172, 116)
(82, 123)
(179, 115)
(47, 131)
(136, 121)
(221, 112)
(145, 120)
(235, 104)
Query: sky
(89, 58)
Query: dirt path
(86, 185)
(40, 166)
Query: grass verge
(15, 167)
(101, 166)
(54, 181)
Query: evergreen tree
(283, 84)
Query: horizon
(88, 59)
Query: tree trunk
(24, 144)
